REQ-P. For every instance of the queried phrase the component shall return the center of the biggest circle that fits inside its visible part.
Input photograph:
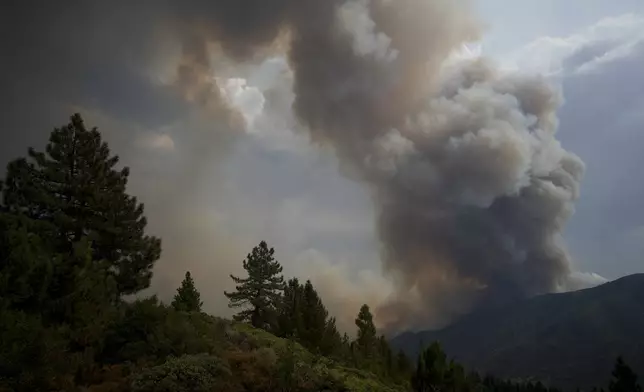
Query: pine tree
(290, 310)
(259, 293)
(331, 344)
(431, 370)
(187, 298)
(74, 186)
(624, 379)
(366, 337)
(314, 318)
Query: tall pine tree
(75, 187)
(187, 298)
(366, 338)
(261, 292)
(314, 318)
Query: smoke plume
(472, 187)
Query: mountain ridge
(564, 339)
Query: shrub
(147, 331)
(198, 373)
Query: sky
(213, 189)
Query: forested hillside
(567, 339)
(73, 244)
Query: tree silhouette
(74, 187)
(259, 293)
(187, 298)
(624, 379)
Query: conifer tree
(75, 187)
(314, 318)
(187, 298)
(290, 310)
(261, 292)
(624, 379)
(366, 337)
(332, 341)
(431, 370)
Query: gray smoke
(472, 188)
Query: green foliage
(289, 319)
(30, 354)
(431, 370)
(26, 267)
(314, 318)
(74, 187)
(311, 372)
(260, 293)
(303, 317)
(190, 373)
(187, 298)
(72, 243)
(624, 379)
(366, 339)
(148, 332)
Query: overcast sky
(257, 185)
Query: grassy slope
(568, 339)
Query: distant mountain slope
(567, 340)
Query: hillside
(568, 339)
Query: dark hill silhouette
(568, 339)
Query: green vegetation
(260, 292)
(187, 298)
(72, 243)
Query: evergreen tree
(75, 187)
(624, 379)
(431, 370)
(314, 318)
(290, 310)
(259, 293)
(187, 298)
(366, 338)
(331, 342)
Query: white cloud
(606, 41)
(249, 100)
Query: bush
(198, 373)
(32, 357)
(148, 332)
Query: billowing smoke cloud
(472, 188)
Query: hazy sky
(258, 184)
